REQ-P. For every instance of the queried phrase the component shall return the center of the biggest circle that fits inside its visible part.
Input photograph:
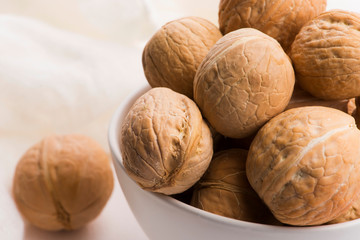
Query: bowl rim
(113, 141)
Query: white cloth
(65, 65)
(53, 81)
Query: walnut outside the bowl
(225, 190)
(172, 56)
(281, 20)
(165, 143)
(63, 182)
(305, 165)
(244, 81)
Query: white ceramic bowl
(163, 217)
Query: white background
(92, 47)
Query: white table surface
(109, 37)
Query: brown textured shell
(301, 98)
(172, 56)
(166, 145)
(62, 182)
(245, 80)
(225, 190)
(351, 214)
(325, 55)
(304, 164)
(281, 20)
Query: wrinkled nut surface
(172, 55)
(281, 20)
(225, 190)
(165, 144)
(351, 214)
(304, 164)
(325, 55)
(63, 182)
(245, 80)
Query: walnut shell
(281, 20)
(325, 55)
(304, 164)
(352, 108)
(351, 214)
(172, 56)
(63, 182)
(245, 80)
(225, 190)
(165, 144)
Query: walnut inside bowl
(225, 190)
(305, 165)
(281, 20)
(326, 53)
(244, 81)
(166, 145)
(172, 56)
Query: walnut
(62, 182)
(245, 80)
(225, 190)
(165, 143)
(325, 55)
(281, 20)
(304, 164)
(172, 56)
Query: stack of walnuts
(256, 117)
